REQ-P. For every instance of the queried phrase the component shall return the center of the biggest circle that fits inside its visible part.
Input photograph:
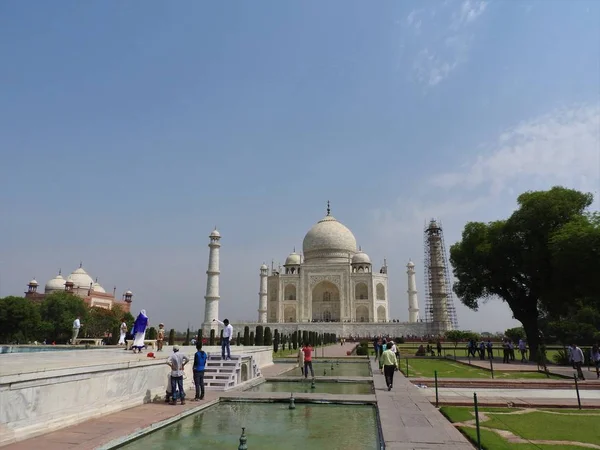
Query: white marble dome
(97, 288)
(55, 284)
(328, 239)
(81, 279)
(215, 234)
(264, 267)
(361, 258)
(293, 259)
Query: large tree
(58, 311)
(518, 259)
(20, 320)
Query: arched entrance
(326, 302)
(289, 314)
(362, 313)
(381, 314)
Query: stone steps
(222, 375)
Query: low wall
(57, 389)
(342, 329)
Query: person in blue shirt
(200, 358)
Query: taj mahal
(330, 287)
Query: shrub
(187, 337)
(252, 338)
(259, 336)
(246, 336)
(276, 341)
(172, 337)
(200, 335)
(238, 341)
(268, 336)
(211, 339)
(152, 333)
(362, 350)
(561, 357)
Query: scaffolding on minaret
(439, 304)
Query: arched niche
(362, 313)
(290, 314)
(326, 302)
(361, 291)
(380, 291)
(381, 313)
(290, 292)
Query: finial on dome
(294, 249)
(60, 271)
(359, 248)
(80, 264)
(96, 279)
(328, 208)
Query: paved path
(408, 419)
(588, 372)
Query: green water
(269, 426)
(342, 369)
(320, 387)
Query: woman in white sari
(123, 330)
(301, 360)
(139, 331)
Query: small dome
(33, 282)
(361, 258)
(410, 264)
(128, 292)
(97, 288)
(293, 259)
(215, 233)
(55, 284)
(264, 267)
(81, 279)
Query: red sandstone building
(81, 284)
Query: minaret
(211, 309)
(413, 303)
(262, 294)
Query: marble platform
(46, 391)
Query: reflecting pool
(269, 426)
(320, 387)
(359, 369)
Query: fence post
(577, 389)
(477, 421)
(492, 367)
(437, 398)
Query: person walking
(307, 350)
(227, 335)
(200, 358)
(523, 350)
(388, 358)
(139, 331)
(76, 327)
(490, 349)
(177, 362)
(160, 338)
(577, 359)
(301, 361)
(439, 347)
(595, 356)
(123, 331)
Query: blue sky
(128, 130)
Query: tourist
(160, 338)
(123, 330)
(200, 358)
(76, 327)
(376, 347)
(523, 350)
(139, 331)
(577, 359)
(301, 361)
(505, 352)
(307, 350)
(227, 335)
(595, 357)
(439, 347)
(388, 358)
(490, 349)
(511, 350)
(482, 350)
(177, 362)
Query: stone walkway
(409, 421)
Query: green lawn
(536, 425)
(425, 368)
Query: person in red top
(307, 350)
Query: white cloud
(441, 37)
(562, 147)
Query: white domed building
(80, 283)
(333, 281)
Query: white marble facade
(333, 281)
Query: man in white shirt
(177, 362)
(227, 335)
(577, 359)
(76, 327)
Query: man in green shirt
(388, 359)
